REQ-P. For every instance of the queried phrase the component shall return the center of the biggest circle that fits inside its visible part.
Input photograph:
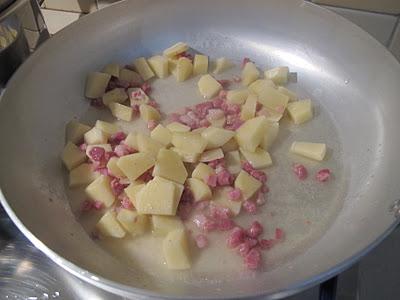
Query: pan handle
(327, 289)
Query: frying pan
(352, 79)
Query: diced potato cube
(108, 226)
(74, 131)
(162, 225)
(251, 133)
(259, 159)
(131, 140)
(132, 222)
(148, 145)
(161, 134)
(249, 108)
(121, 112)
(176, 250)
(169, 165)
(176, 49)
(108, 128)
(100, 190)
(270, 114)
(250, 73)
(178, 127)
(159, 65)
(112, 69)
(199, 130)
(220, 198)
(82, 175)
(202, 172)
(199, 189)
(148, 113)
(96, 84)
(247, 184)
(106, 147)
(143, 68)
(130, 76)
(115, 95)
(271, 133)
(292, 95)
(200, 64)
(208, 86)
(188, 157)
(278, 75)
(189, 142)
(216, 137)
(158, 197)
(315, 151)
(222, 64)
(218, 123)
(238, 96)
(134, 165)
(300, 111)
(72, 156)
(232, 162)
(184, 69)
(172, 62)
(137, 96)
(113, 168)
(95, 136)
(271, 97)
(133, 190)
(259, 85)
(211, 155)
(230, 145)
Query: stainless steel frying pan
(352, 78)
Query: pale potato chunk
(202, 172)
(273, 99)
(130, 76)
(137, 96)
(292, 95)
(230, 145)
(199, 189)
(315, 151)
(82, 175)
(159, 65)
(188, 157)
(108, 226)
(133, 222)
(112, 69)
(96, 84)
(121, 112)
(211, 155)
(220, 198)
(131, 140)
(74, 131)
(169, 165)
(95, 136)
(247, 184)
(232, 162)
(100, 190)
(250, 73)
(300, 111)
(259, 85)
(172, 62)
(148, 113)
(176, 250)
(106, 147)
(278, 75)
(108, 128)
(162, 225)
(189, 142)
(199, 130)
(178, 127)
(200, 64)
(251, 133)
(183, 69)
(222, 64)
(161, 134)
(208, 86)
(115, 95)
(114, 169)
(270, 114)
(176, 49)
(148, 145)
(134, 165)
(249, 108)
(271, 133)
(238, 96)
(143, 68)
(72, 156)
(216, 137)
(259, 159)
(133, 190)
(218, 123)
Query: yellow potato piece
(202, 172)
(250, 73)
(271, 133)
(72, 156)
(161, 134)
(96, 84)
(249, 108)
(133, 222)
(95, 136)
(247, 184)
(230, 145)
(188, 157)
(82, 175)
(220, 198)
(300, 111)
(113, 69)
(159, 65)
(314, 151)
(208, 86)
(74, 131)
(200, 64)
(130, 76)
(259, 159)
(113, 168)
(143, 68)
(272, 98)
(169, 165)
(148, 113)
(108, 128)
(176, 49)
(133, 190)
(232, 162)
(115, 95)
(121, 112)
(100, 190)
(148, 145)
(251, 133)
(177, 127)
(292, 95)
(189, 142)
(176, 250)
(199, 189)
(183, 69)
(131, 140)
(162, 225)
(216, 137)
(108, 226)
(258, 86)
(134, 165)
(278, 75)
(238, 96)
(222, 64)
(211, 155)
(218, 123)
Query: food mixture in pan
(196, 180)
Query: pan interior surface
(351, 78)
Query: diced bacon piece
(236, 79)
(89, 205)
(264, 189)
(236, 237)
(97, 153)
(300, 171)
(185, 54)
(249, 206)
(253, 259)
(266, 244)
(173, 117)
(185, 119)
(151, 124)
(323, 175)
(279, 234)
(247, 167)
(212, 180)
(146, 87)
(225, 224)
(117, 138)
(200, 220)
(147, 176)
(245, 61)
(261, 198)
(98, 102)
(122, 150)
(259, 175)
(235, 194)
(108, 155)
(215, 114)
(222, 94)
(243, 249)
(125, 202)
(202, 108)
(224, 178)
(255, 230)
(154, 104)
(210, 225)
(219, 212)
(225, 84)
(217, 103)
(97, 205)
(83, 147)
(201, 241)
(117, 187)
(102, 171)
(252, 242)
(217, 162)
(135, 108)
(231, 109)
(184, 209)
